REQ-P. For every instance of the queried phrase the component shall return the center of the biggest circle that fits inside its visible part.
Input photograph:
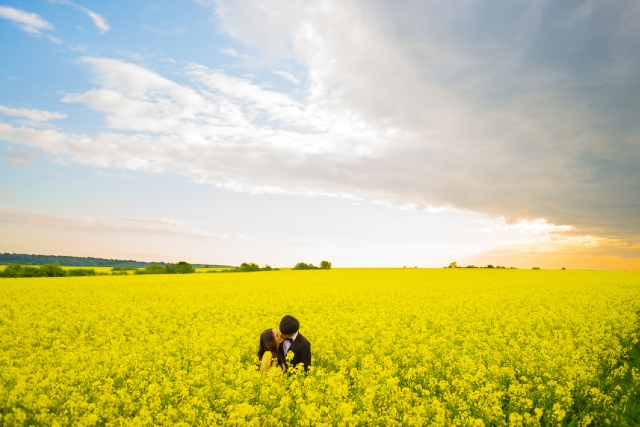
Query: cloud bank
(521, 111)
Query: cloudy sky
(368, 133)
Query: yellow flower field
(390, 347)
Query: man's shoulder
(301, 340)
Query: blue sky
(366, 133)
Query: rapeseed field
(390, 347)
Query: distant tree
(246, 267)
(536, 268)
(206, 266)
(249, 266)
(81, 272)
(453, 265)
(181, 267)
(304, 266)
(31, 271)
(52, 270)
(489, 266)
(151, 269)
(12, 270)
(325, 265)
(122, 273)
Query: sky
(367, 133)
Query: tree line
(47, 270)
(182, 267)
(74, 261)
(324, 265)
(245, 267)
(54, 270)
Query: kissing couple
(274, 346)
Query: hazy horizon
(370, 134)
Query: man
(295, 342)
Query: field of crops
(390, 347)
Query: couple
(275, 345)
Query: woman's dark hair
(289, 325)
(268, 343)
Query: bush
(180, 268)
(29, 271)
(50, 270)
(304, 266)
(246, 267)
(81, 272)
(12, 270)
(151, 269)
(47, 270)
(325, 265)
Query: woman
(271, 352)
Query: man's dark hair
(289, 325)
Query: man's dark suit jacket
(301, 348)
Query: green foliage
(325, 265)
(12, 270)
(52, 270)
(177, 268)
(245, 267)
(81, 272)
(181, 267)
(74, 261)
(151, 269)
(304, 266)
(47, 270)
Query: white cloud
(29, 22)
(32, 114)
(232, 52)
(98, 20)
(539, 236)
(288, 76)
